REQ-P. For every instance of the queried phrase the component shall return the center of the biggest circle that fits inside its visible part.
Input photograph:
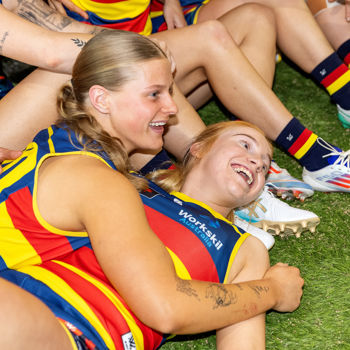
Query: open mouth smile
(245, 173)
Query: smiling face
(232, 172)
(139, 112)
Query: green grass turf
(323, 318)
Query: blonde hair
(173, 179)
(107, 60)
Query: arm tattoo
(258, 290)
(185, 287)
(220, 295)
(2, 41)
(78, 42)
(36, 11)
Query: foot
(344, 117)
(282, 184)
(265, 237)
(334, 177)
(277, 217)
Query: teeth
(157, 124)
(246, 172)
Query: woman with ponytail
(80, 266)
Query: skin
(334, 23)
(66, 199)
(237, 148)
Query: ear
(197, 150)
(99, 98)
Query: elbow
(166, 318)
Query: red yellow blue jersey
(60, 268)
(201, 242)
(141, 16)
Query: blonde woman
(80, 265)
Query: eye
(154, 94)
(245, 144)
(171, 90)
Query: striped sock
(334, 75)
(344, 52)
(303, 144)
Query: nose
(169, 105)
(258, 162)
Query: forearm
(54, 51)
(202, 306)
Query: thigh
(29, 107)
(26, 322)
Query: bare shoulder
(72, 187)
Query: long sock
(305, 146)
(344, 52)
(334, 75)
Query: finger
(72, 7)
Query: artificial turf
(323, 318)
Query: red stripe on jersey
(299, 142)
(84, 259)
(333, 76)
(19, 207)
(179, 239)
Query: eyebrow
(256, 142)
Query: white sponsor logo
(201, 229)
(128, 341)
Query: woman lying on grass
(82, 269)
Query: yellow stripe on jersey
(22, 165)
(114, 10)
(50, 142)
(37, 214)
(135, 330)
(234, 252)
(186, 198)
(60, 287)
(14, 246)
(180, 268)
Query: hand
(288, 286)
(8, 154)
(173, 14)
(58, 6)
(164, 47)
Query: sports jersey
(60, 268)
(140, 16)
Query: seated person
(333, 17)
(81, 267)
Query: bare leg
(26, 323)
(332, 22)
(251, 263)
(240, 88)
(298, 34)
(29, 107)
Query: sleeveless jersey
(61, 269)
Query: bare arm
(54, 51)
(134, 259)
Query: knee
(215, 34)
(258, 16)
